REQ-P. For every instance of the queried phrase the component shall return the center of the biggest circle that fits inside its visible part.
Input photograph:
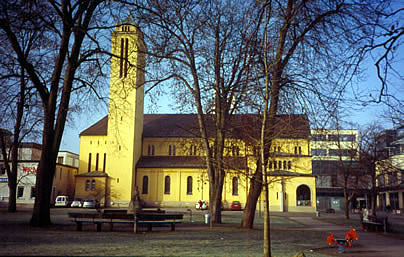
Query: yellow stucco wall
(94, 145)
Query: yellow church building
(161, 157)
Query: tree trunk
(252, 198)
(346, 203)
(12, 197)
(44, 178)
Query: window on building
(270, 165)
(340, 152)
(296, 150)
(284, 165)
(33, 192)
(300, 150)
(333, 137)
(303, 196)
(349, 138)
(93, 185)
(171, 150)
(279, 149)
(87, 185)
(167, 185)
(97, 157)
(192, 150)
(60, 159)
(235, 151)
(235, 186)
(275, 166)
(89, 162)
(280, 165)
(20, 192)
(289, 165)
(105, 162)
(145, 185)
(150, 150)
(189, 185)
(318, 137)
(381, 180)
(319, 152)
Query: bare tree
(19, 110)
(311, 54)
(385, 49)
(61, 29)
(203, 48)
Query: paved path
(370, 244)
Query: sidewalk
(369, 244)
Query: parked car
(89, 204)
(62, 201)
(235, 206)
(76, 204)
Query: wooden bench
(147, 218)
(375, 224)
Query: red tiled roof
(186, 125)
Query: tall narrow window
(105, 162)
(20, 192)
(279, 149)
(235, 186)
(93, 185)
(145, 185)
(89, 162)
(280, 164)
(167, 185)
(189, 185)
(284, 165)
(295, 149)
(275, 165)
(121, 58)
(126, 57)
(289, 165)
(169, 150)
(300, 150)
(97, 156)
(152, 150)
(87, 185)
(33, 192)
(270, 165)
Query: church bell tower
(125, 115)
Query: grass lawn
(190, 239)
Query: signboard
(29, 170)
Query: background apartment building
(332, 151)
(390, 169)
(29, 155)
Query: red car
(235, 206)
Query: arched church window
(235, 186)
(303, 196)
(145, 185)
(167, 185)
(189, 185)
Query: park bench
(343, 243)
(375, 224)
(148, 218)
